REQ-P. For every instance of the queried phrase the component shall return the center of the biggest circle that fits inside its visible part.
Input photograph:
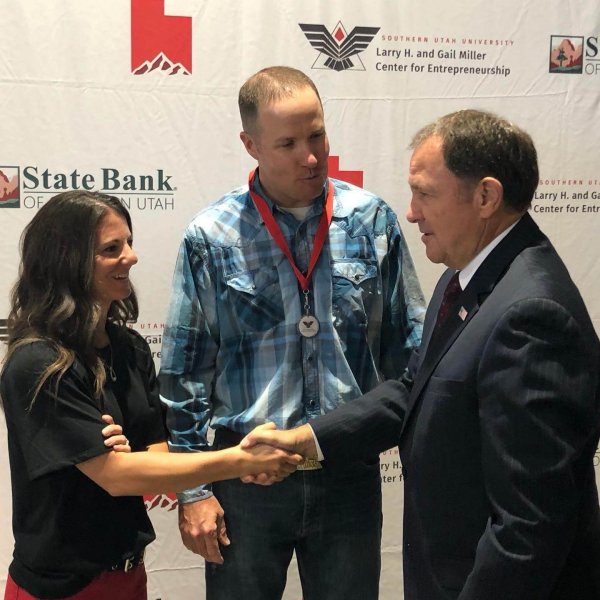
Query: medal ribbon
(277, 235)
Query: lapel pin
(462, 313)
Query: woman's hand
(269, 464)
(272, 464)
(114, 436)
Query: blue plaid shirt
(232, 355)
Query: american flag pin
(462, 313)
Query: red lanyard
(275, 231)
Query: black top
(66, 528)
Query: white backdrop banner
(139, 98)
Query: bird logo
(339, 48)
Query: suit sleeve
(538, 416)
(364, 427)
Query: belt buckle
(309, 464)
(133, 561)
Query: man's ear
(490, 197)
(249, 144)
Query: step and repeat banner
(139, 98)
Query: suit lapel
(438, 345)
(525, 233)
(432, 311)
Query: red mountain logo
(9, 187)
(566, 54)
(337, 48)
(162, 63)
(159, 42)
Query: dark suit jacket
(497, 422)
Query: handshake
(287, 450)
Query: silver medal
(308, 326)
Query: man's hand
(274, 463)
(114, 436)
(202, 528)
(299, 440)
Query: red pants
(116, 585)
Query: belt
(132, 560)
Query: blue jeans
(332, 520)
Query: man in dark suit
(498, 416)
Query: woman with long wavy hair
(79, 521)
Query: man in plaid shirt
(292, 295)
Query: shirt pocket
(354, 286)
(253, 299)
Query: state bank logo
(10, 180)
(566, 54)
(338, 50)
(159, 43)
(29, 187)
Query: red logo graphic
(159, 42)
(353, 177)
(168, 501)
